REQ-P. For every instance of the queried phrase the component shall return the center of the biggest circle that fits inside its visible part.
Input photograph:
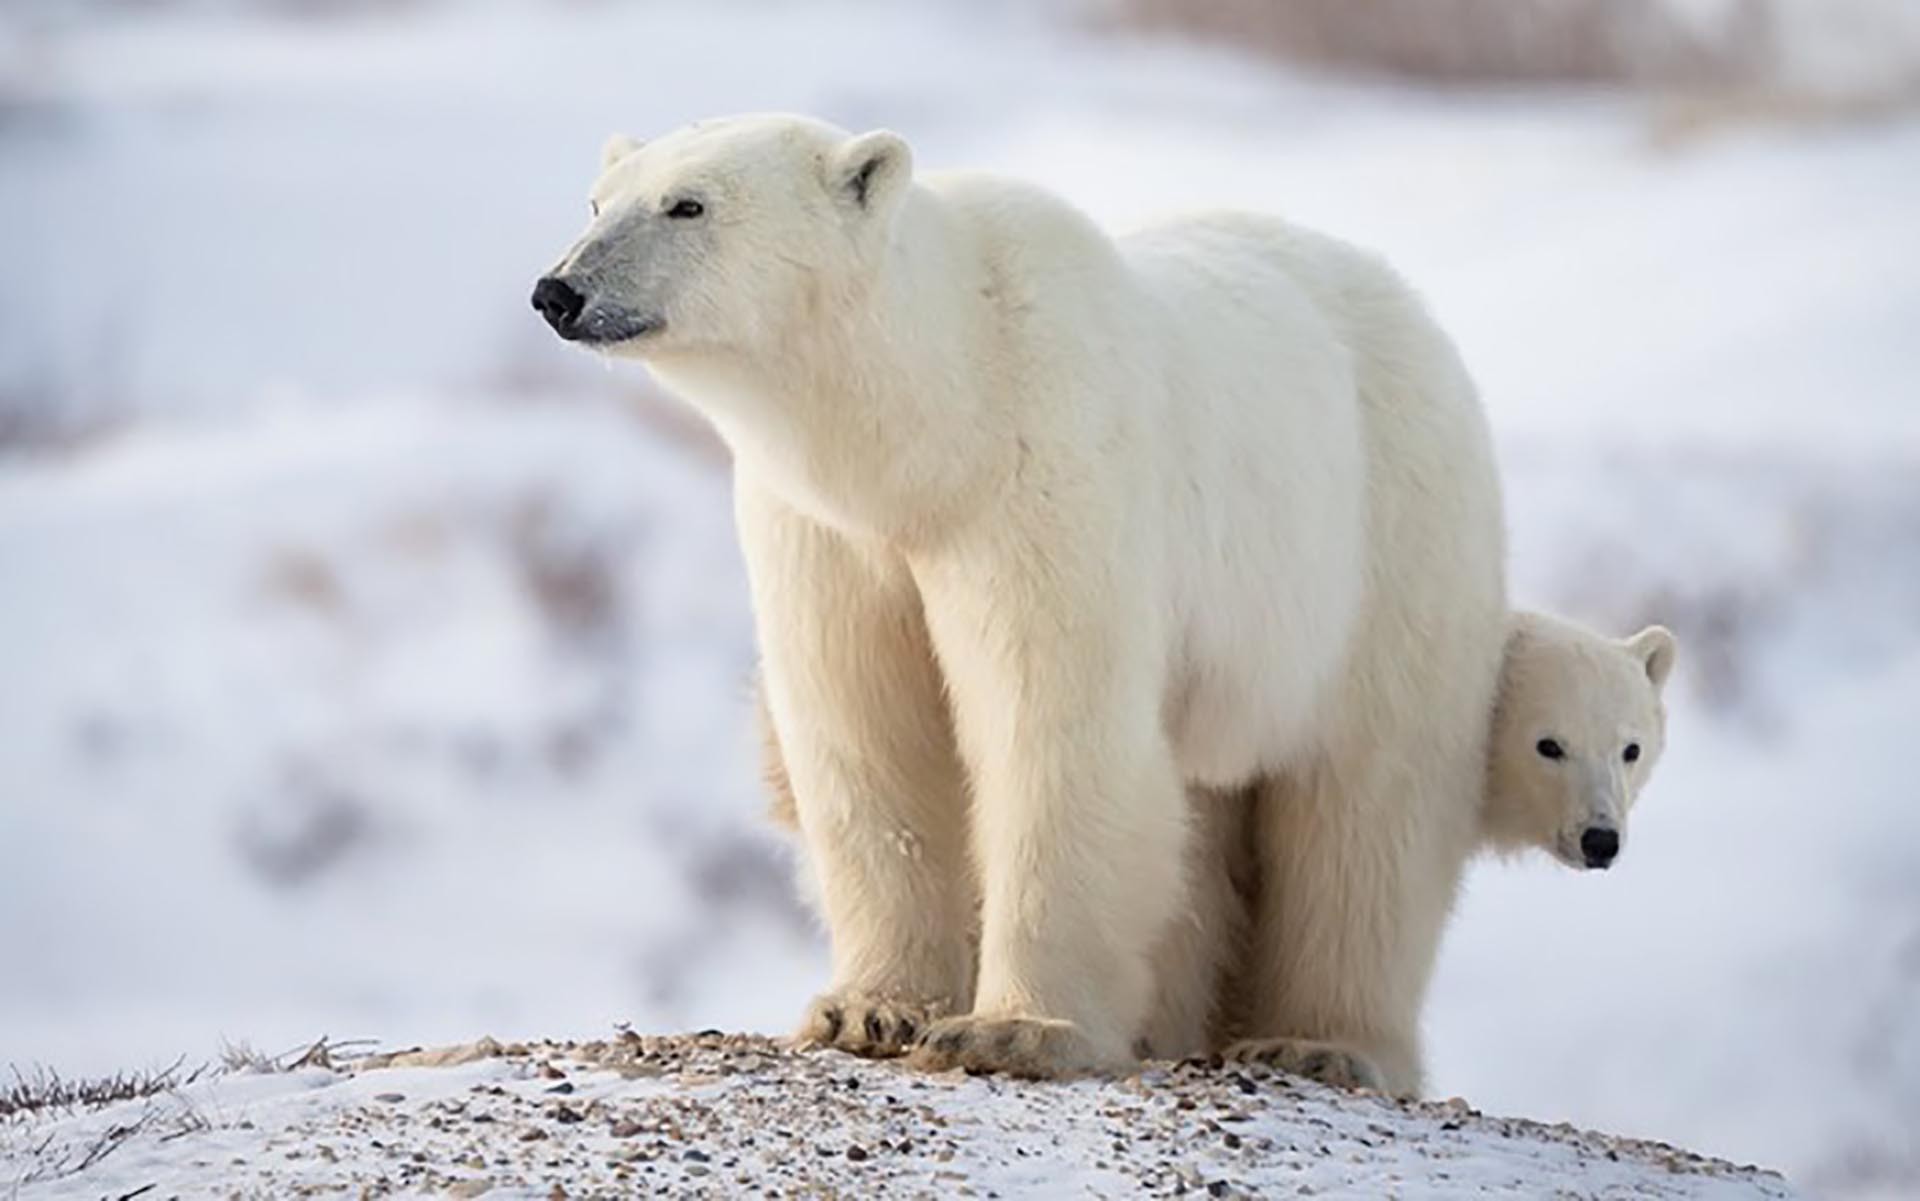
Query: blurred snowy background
(373, 665)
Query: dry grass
(324, 1052)
(42, 1090)
(1683, 119)
(1485, 41)
(1708, 75)
(53, 1159)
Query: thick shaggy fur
(1045, 526)
(1592, 696)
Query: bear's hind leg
(1359, 866)
(1197, 957)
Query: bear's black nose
(1599, 845)
(560, 304)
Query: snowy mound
(729, 1115)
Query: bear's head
(725, 237)
(1577, 728)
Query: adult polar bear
(1042, 526)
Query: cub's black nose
(1599, 845)
(560, 304)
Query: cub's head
(724, 235)
(1577, 728)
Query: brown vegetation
(1486, 41)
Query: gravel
(726, 1115)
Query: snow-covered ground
(736, 1116)
(379, 671)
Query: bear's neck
(880, 420)
(1503, 819)
(1510, 811)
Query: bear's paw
(1031, 1048)
(863, 1024)
(1327, 1063)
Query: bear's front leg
(854, 698)
(1078, 821)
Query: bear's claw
(876, 1027)
(1034, 1048)
(1327, 1063)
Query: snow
(381, 670)
(361, 647)
(732, 1117)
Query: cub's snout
(1599, 845)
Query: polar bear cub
(1577, 728)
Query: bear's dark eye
(1550, 749)
(593, 206)
(686, 210)
(1631, 753)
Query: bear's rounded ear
(1655, 647)
(870, 170)
(616, 148)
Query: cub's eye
(593, 207)
(1631, 753)
(686, 210)
(1550, 749)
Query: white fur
(1044, 525)
(1592, 698)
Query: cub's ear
(869, 171)
(1655, 648)
(616, 148)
